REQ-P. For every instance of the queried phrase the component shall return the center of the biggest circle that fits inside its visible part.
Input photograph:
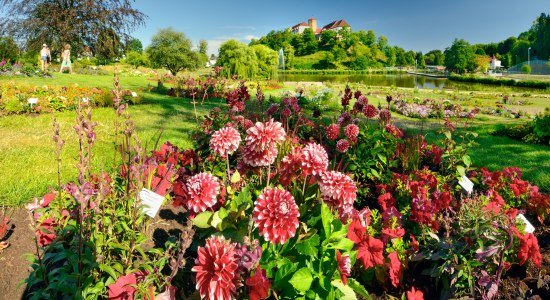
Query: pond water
(397, 80)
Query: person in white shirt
(44, 57)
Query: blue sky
(419, 25)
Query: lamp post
(529, 56)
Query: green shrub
(13, 106)
(542, 127)
(526, 69)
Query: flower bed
(285, 205)
(21, 99)
(430, 108)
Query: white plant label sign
(134, 94)
(151, 202)
(32, 101)
(529, 228)
(466, 184)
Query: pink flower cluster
(225, 141)
(261, 143)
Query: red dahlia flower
(344, 266)
(124, 287)
(342, 146)
(259, 285)
(337, 189)
(369, 249)
(315, 159)
(370, 111)
(203, 190)
(216, 267)
(276, 215)
(351, 131)
(263, 136)
(46, 232)
(385, 116)
(225, 141)
(333, 131)
(290, 166)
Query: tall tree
(237, 58)
(134, 44)
(203, 46)
(459, 57)
(170, 49)
(78, 23)
(308, 42)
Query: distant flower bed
(429, 108)
(21, 99)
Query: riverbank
(344, 72)
(502, 82)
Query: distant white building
(312, 23)
(211, 63)
(495, 63)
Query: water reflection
(397, 80)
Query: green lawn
(27, 163)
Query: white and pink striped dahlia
(225, 141)
(259, 159)
(216, 269)
(315, 159)
(276, 215)
(203, 190)
(351, 131)
(263, 136)
(337, 189)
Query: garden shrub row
(502, 82)
(536, 131)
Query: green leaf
(344, 244)
(236, 177)
(448, 134)
(358, 288)
(108, 270)
(301, 280)
(326, 218)
(348, 292)
(309, 246)
(467, 160)
(202, 220)
(284, 271)
(461, 170)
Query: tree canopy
(171, 49)
(78, 23)
(237, 58)
(459, 57)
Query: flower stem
(304, 187)
(268, 175)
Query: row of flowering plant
(18, 99)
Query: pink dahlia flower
(203, 190)
(225, 141)
(351, 131)
(216, 268)
(259, 159)
(342, 146)
(370, 111)
(333, 132)
(338, 189)
(276, 215)
(315, 159)
(263, 136)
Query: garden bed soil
(527, 282)
(14, 267)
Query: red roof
(335, 24)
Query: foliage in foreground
(290, 206)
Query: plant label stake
(151, 202)
(529, 228)
(32, 101)
(466, 184)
